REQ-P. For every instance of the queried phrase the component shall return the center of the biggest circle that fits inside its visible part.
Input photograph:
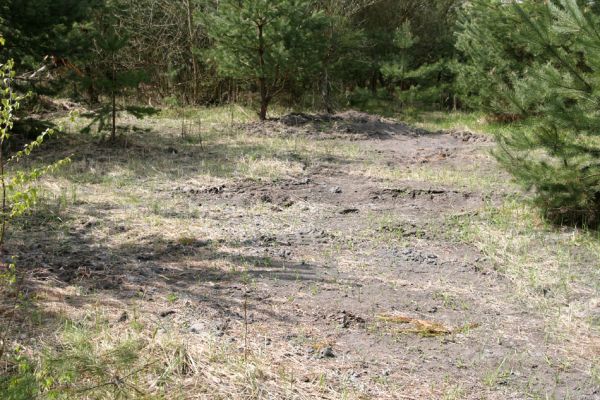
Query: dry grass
(94, 357)
(469, 178)
(123, 199)
(555, 271)
(420, 326)
(114, 203)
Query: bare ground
(346, 257)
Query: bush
(17, 196)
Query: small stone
(284, 253)
(336, 189)
(265, 198)
(221, 328)
(304, 181)
(215, 189)
(167, 313)
(326, 352)
(197, 327)
(124, 317)
(287, 203)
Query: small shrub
(17, 195)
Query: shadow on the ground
(57, 249)
(142, 154)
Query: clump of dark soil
(352, 125)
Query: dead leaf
(420, 326)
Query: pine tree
(421, 65)
(44, 39)
(491, 54)
(556, 50)
(342, 57)
(105, 71)
(402, 71)
(271, 42)
(34, 29)
(399, 67)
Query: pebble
(167, 313)
(418, 257)
(124, 317)
(284, 253)
(326, 352)
(197, 327)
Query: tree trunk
(264, 105)
(262, 80)
(373, 83)
(194, 62)
(326, 93)
(262, 115)
(113, 134)
(91, 89)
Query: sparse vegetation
(143, 231)
(18, 196)
(371, 239)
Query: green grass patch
(471, 121)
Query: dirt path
(348, 269)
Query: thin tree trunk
(3, 183)
(326, 92)
(194, 62)
(113, 135)
(264, 104)
(373, 83)
(262, 80)
(91, 89)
